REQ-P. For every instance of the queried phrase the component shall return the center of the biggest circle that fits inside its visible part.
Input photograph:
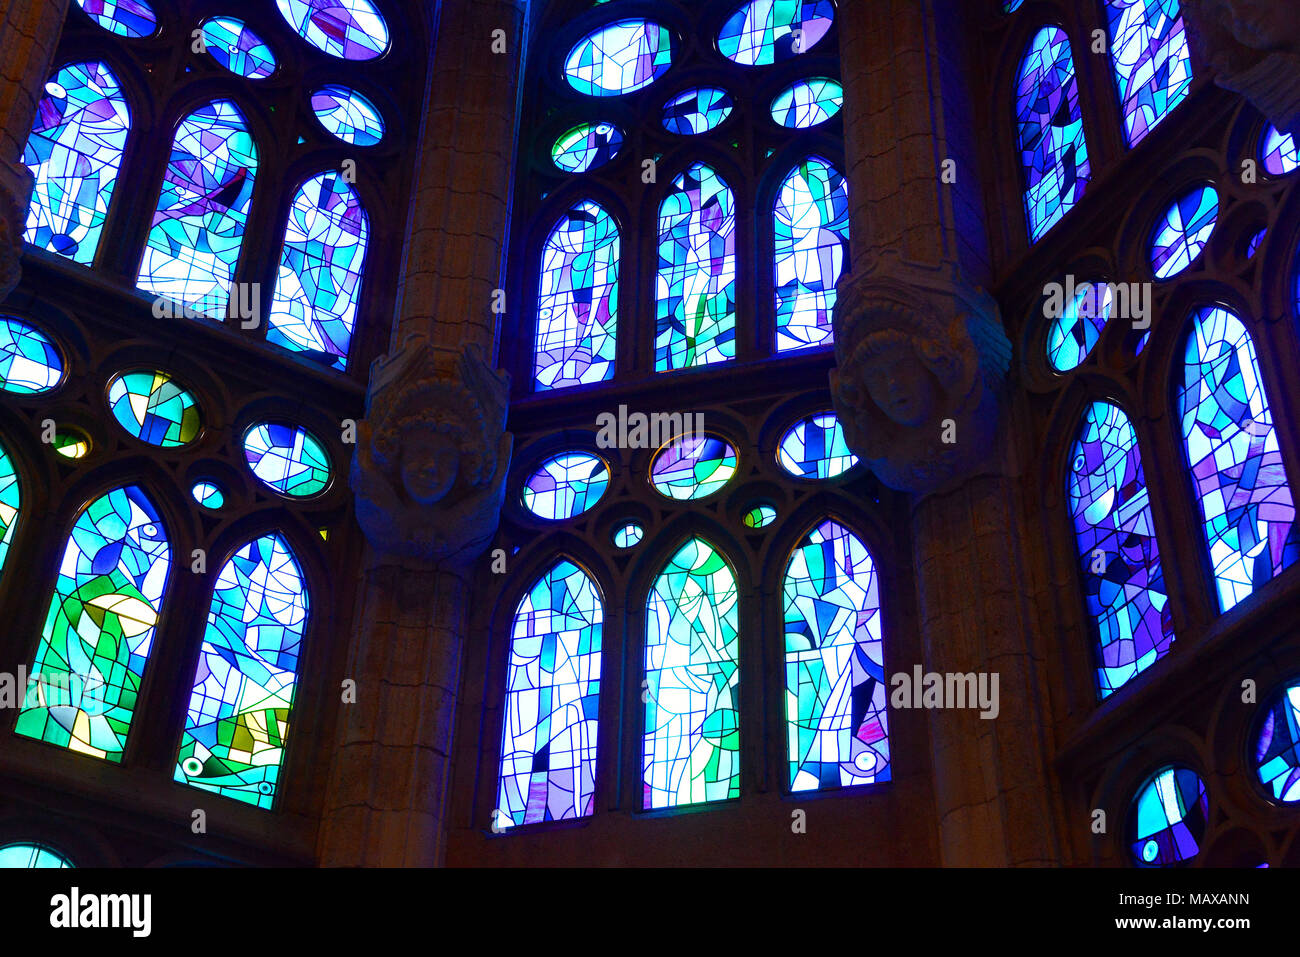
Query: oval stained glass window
(208, 494)
(1078, 327)
(72, 443)
(237, 48)
(154, 408)
(1277, 748)
(1184, 232)
(693, 467)
(808, 103)
(126, 18)
(566, 485)
(29, 362)
(348, 29)
(760, 516)
(1253, 244)
(288, 459)
(1278, 152)
(1168, 818)
(815, 448)
(768, 31)
(697, 111)
(620, 58)
(31, 855)
(348, 115)
(587, 147)
(629, 535)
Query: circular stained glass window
(587, 147)
(126, 18)
(621, 58)
(769, 31)
(693, 467)
(1168, 817)
(1077, 328)
(348, 115)
(1278, 151)
(348, 29)
(237, 48)
(760, 516)
(1184, 232)
(208, 494)
(32, 855)
(29, 362)
(154, 408)
(697, 111)
(808, 103)
(629, 535)
(287, 459)
(815, 448)
(1277, 747)
(565, 486)
(72, 443)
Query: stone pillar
(921, 388)
(29, 34)
(432, 455)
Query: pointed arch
(99, 631)
(695, 292)
(691, 746)
(198, 228)
(577, 299)
(322, 262)
(242, 699)
(549, 735)
(836, 710)
(1236, 464)
(1053, 147)
(811, 217)
(1119, 556)
(11, 504)
(1151, 61)
(74, 153)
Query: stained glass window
(548, 747)
(692, 467)
(71, 443)
(1277, 749)
(100, 627)
(11, 503)
(1151, 59)
(29, 361)
(74, 153)
(691, 750)
(348, 115)
(1255, 241)
(808, 103)
(154, 408)
(314, 309)
(577, 300)
(208, 494)
(566, 485)
(1184, 232)
(238, 715)
(587, 146)
(1236, 464)
(696, 286)
(697, 111)
(629, 535)
(126, 18)
(1011, 6)
(769, 31)
(1278, 151)
(348, 29)
(288, 459)
(237, 48)
(621, 58)
(1053, 148)
(32, 855)
(815, 448)
(760, 516)
(812, 237)
(1079, 326)
(1119, 557)
(837, 719)
(1168, 818)
(199, 225)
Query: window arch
(238, 716)
(1119, 556)
(74, 152)
(1054, 149)
(99, 632)
(811, 217)
(1151, 61)
(11, 503)
(1231, 444)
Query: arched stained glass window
(198, 228)
(837, 720)
(691, 751)
(1232, 450)
(238, 716)
(74, 153)
(1168, 818)
(11, 503)
(99, 631)
(1053, 148)
(577, 300)
(812, 238)
(1151, 59)
(548, 746)
(696, 288)
(1119, 557)
(314, 309)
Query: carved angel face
(430, 465)
(901, 385)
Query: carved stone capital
(15, 196)
(921, 359)
(1253, 47)
(431, 456)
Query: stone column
(431, 456)
(29, 34)
(921, 388)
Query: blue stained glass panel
(1278, 151)
(237, 48)
(769, 31)
(808, 103)
(1168, 818)
(348, 115)
(587, 146)
(811, 222)
(348, 29)
(29, 361)
(1185, 232)
(1151, 59)
(697, 111)
(126, 18)
(622, 57)
(1277, 749)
